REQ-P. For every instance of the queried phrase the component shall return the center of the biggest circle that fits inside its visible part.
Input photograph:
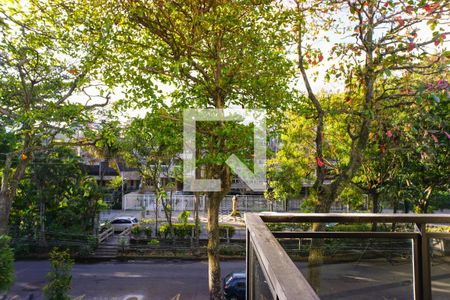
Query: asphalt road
(165, 279)
(155, 279)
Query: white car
(122, 223)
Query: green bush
(60, 276)
(349, 227)
(439, 229)
(6, 264)
(288, 226)
(136, 230)
(181, 231)
(184, 216)
(148, 231)
(223, 231)
(146, 221)
(153, 243)
(232, 249)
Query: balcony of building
(407, 257)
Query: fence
(245, 203)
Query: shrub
(146, 221)
(60, 276)
(148, 231)
(184, 216)
(439, 229)
(288, 226)
(349, 227)
(181, 231)
(223, 231)
(153, 243)
(123, 243)
(232, 249)
(136, 230)
(6, 264)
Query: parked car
(234, 286)
(122, 223)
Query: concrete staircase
(108, 249)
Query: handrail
(105, 235)
(284, 278)
(355, 218)
(265, 244)
(127, 231)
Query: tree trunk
(8, 190)
(316, 250)
(4, 212)
(375, 207)
(315, 258)
(214, 246)
(42, 239)
(196, 220)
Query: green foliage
(223, 231)
(232, 249)
(144, 221)
(181, 231)
(184, 216)
(115, 183)
(148, 231)
(6, 264)
(439, 229)
(60, 276)
(136, 230)
(349, 227)
(123, 242)
(288, 226)
(57, 180)
(153, 242)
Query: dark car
(234, 286)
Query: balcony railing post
(247, 266)
(422, 272)
(421, 263)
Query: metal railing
(282, 276)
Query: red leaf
(73, 71)
(411, 46)
(386, 4)
(400, 21)
(389, 134)
(427, 8)
(409, 9)
(319, 162)
(320, 57)
(435, 139)
(382, 149)
(437, 42)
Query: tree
(217, 54)
(55, 194)
(386, 41)
(152, 145)
(42, 67)
(6, 264)
(60, 276)
(424, 155)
